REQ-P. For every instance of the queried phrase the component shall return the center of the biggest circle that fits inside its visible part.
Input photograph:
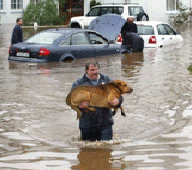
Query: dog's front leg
(122, 111)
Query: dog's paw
(114, 112)
(123, 114)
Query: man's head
(92, 69)
(19, 21)
(130, 20)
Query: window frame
(16, 4)
(1, 5)
(173, 9)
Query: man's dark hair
(92, 62)
(18, 19)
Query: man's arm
(15, 37)
(135, 28)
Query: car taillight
(119, 38)
(44, 51)
(152, 40)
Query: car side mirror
(86, 14)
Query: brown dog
(97, 96)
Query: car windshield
(44, 38)
(135, 10)
(145, 30)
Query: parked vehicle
(125, 10)
(156, 34)
(62, 44)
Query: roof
(149, 22)
(120, 5)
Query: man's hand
(114, 102)
(83, 105)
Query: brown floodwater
(38, 131)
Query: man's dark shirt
(17, 35)
(128, 27)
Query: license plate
(21, 54)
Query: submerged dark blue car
(62, 44)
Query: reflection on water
(39, 131)
(91, 158)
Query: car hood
(108, 25)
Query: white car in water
(156, 34)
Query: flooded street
(38, 131)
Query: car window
(169, 30)
(67, 41)
(94, 12)
(135, 10)
(79, 39)
(118, 10)
(97, 39)
(44, 38)
(145, 30)
(106, 10)
(161, 30)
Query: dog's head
(123, 87)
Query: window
(170, 31)
(1, 4)
(94, 12)
(106, 10)
(67, 41)
(16, 4)
(44, 38)
(145, 30)
(97, 39)
(172, 5)
(118, 10)
(79, 39)
(134, 11)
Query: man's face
(93, 72)
(130, 20)
(20, 22)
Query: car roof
(119, 5)
(64, 30)
(152, 23)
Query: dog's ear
(117, 82)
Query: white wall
(9, 16)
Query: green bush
(190, 68)
(183, 15)
(94, 3)
(43, 12)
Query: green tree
(184, 14)
(44, 12)
(94, 3)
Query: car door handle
(171, 38)
(75, 51)
(162, 38)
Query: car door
(171, 34)
(77, 45)
(163, 38)
(94, 12)
(102, 46)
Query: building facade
(10, 10)
(157, 10)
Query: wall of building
(9, 16)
